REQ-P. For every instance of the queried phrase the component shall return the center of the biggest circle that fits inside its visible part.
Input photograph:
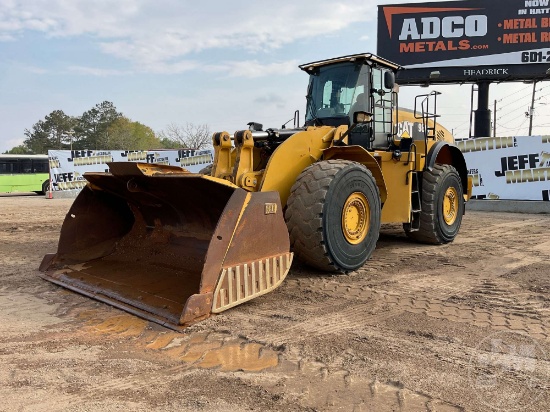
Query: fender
(445, 153)
(360, 155)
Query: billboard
(467, 40)
(67, 167)
(509, 168)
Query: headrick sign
(467, 40)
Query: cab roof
(351, 58)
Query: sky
(220, 63)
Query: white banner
(67, 167)
(511, 168)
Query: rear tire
(333, 215)
(442, 206)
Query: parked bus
(24, 173)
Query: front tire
(333, 215)
(442, 206)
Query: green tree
(167, 143)
(101, 127)
(21, 149)
(54, 132)
(92, 126)
(125, 134)
(38, 138)
(60, 128)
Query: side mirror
(389, 80)
(362, 117)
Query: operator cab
(340, 87)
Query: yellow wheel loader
(175, 247)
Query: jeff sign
(469, 33)
(513, 168)
(67, 167)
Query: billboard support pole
(471, 111)
(495, 120)
(482, 126)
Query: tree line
(104, 127)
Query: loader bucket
(168, 245)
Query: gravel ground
(460, 327)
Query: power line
(521, 125)
(506, 127)
(525, 95)
(517, 117)
(512, 94)
(519, 101)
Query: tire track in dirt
(201, 350)
(504, 313)
(305, 381)
(531, 319)
(410, 301)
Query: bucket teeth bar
(238, 284)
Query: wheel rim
(450, 206)
(356, 218)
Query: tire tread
(304, 213)
(431, 181)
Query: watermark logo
(505, 371)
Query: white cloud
(160, 67)
(34, 70)
(152, 67)
(271, 99)
(7, 37)
(153, 34)
(254, 68)
(94, 71)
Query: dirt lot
(448, 328)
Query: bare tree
(189, 135)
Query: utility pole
(495, 120)
(71, 133)
(532, 109)
(471, 110)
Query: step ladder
(416, 203)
